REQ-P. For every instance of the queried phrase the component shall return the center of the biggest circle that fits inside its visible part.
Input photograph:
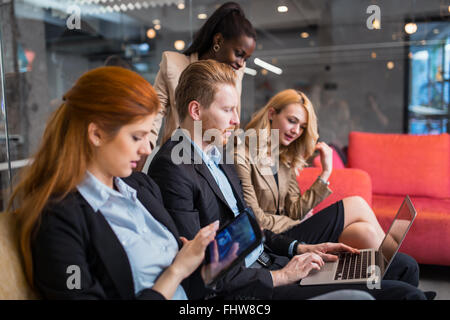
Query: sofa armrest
(343, 182)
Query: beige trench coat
(266, 199)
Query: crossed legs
(361, 227)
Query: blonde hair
(302, 148)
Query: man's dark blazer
(193, 198)
(72, 234)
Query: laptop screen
(398, 230)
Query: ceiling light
(156, 21)
(410, 28)
(304, 35)
(390, 65)
(373, 55)
(157, 27)
(151, 33)
(179, 45)
(267, 66)
(202, 16)
(250, 71)
(181, 6)
(282, 9)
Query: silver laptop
(371, 264)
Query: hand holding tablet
(233, 242)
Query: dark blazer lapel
(203, 170)
(149, 199)
(111, 252)
(235, 183)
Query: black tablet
(233, 242)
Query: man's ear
(95, 134)
(194, 110)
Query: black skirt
(324, 226)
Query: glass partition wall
(351, 57)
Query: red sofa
(414, 165)
(383, 168)
(343, 182)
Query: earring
(216, 47)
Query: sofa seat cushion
(429, 235)
(343, 182)
(13, 283)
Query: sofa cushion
(343, 183)
(401, 164)
(13, 283)
(429, 235)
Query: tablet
(233, 242)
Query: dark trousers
(399, 283)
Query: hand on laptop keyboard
(327, 251)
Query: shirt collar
(97, 193)
(210, 154)
(213, 153)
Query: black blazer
(193, 198)
(71, 233)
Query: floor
(435, 278)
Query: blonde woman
(272, 190)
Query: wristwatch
(327, 183)
(296, 247)
(294, 252)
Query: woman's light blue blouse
(149, 245)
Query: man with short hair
(199, 188)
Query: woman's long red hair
(111, 97)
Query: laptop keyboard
(353, 266)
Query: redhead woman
(81, 210)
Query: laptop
(370, 265)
